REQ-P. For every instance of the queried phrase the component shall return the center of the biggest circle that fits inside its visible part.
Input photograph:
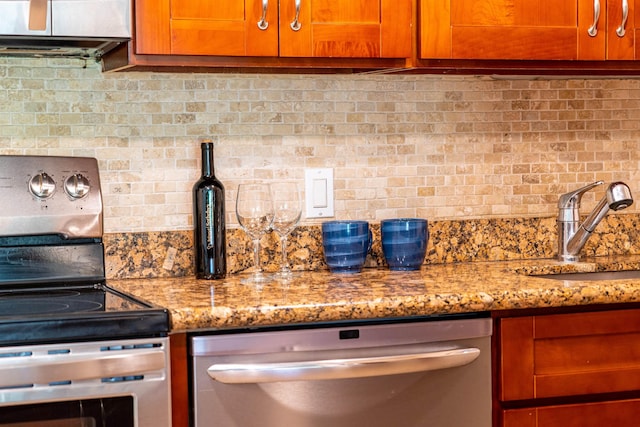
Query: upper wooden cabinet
(528, 29)
(285, 28)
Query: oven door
(121, 383)
(113, 411)
(435, 373)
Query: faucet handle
(571, 200)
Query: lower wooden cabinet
(624, 413)
(179, 380)
(547, 363)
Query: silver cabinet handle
(593, 29)
(48, 369)
(362, 367)
(263, 24)
(295, 24)
(620, 31)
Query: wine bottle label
(209, 213)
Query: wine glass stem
(285, 261)
(256, 256)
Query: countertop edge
(319, 296)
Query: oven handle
(47, 369)
(361, 367)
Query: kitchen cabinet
(179, 380)
(528, 29)
(569, 369)
(270, 28)
(622, 413)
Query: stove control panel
(50, 195)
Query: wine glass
(254, 210)
(288, 208)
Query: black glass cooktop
(54, 290)
(68, 313)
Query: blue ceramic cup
(346, 244)
(404, 242)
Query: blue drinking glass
(346, 244)
(404, 242)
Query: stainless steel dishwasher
(435, 372)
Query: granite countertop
(320, 296)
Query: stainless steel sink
(599, 275)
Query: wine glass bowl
(255, 213)
(288, 209)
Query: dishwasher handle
(333, 369)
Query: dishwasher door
(432, 373)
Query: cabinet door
(610, 36)
(152, 31)
(569, 354)
(621, 22)
(618, 413)
(207, 27)
(346, 28)
(508, 29)
(528, 29)
(222, 27)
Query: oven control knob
(42, 186)
(77, 186)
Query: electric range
(68, 341)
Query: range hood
(66, 28)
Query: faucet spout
(572, 236)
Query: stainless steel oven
(432, 372)
(73, 351)
(119, 383)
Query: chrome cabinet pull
(263, 24)
(620, 31)
(593, 29)
(295, 24)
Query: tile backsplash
(439, 147)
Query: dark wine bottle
(208, 220)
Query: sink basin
(600, 275)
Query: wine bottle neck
(207, 159)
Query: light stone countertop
(320, 296)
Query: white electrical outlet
(318, 192)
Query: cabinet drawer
(622, 413)
(569, 354)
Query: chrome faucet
(572, 235)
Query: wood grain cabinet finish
(547, 363)
(623, 413)
(324, 28)
(527, 30)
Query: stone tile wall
(438, 147)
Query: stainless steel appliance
(73, 351)
(432, 372)
(82, 28)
